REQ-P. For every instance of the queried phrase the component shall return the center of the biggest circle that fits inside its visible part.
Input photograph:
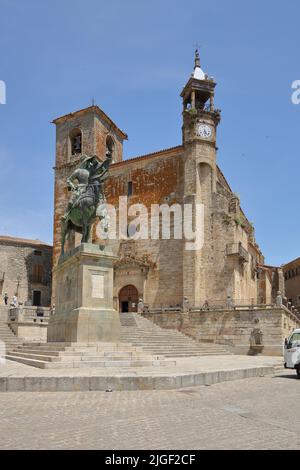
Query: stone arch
(205, 174)
(76, 141)
(128, 298)
(111, 147)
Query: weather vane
(197, 46)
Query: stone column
(193, 100)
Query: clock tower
(200, 121)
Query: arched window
(110, 146)
(76, 141)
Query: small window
(129, 189)
(76, 141)
(37, 253)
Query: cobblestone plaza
(222, 416)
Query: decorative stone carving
(256, 337)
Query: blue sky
(133, 57)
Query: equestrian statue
(88, 200)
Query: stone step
(87, 348)
(170, 343)
(115, 381)
(66, 356)
(43, 351)
(12, 341)
(161, 340)
(39, 357)
(178, 346)
(81, 364)
(210, 353)
(158, 338)
(8, 338)
(50, 352)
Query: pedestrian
(15, 300)
(5, 298)
(140, 306)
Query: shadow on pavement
(290, 376)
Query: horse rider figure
(91, 172)
(87, 200)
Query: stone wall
(292, 282)
(29, 323)
(236, 329)
(153, 266)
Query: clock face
(204, 131)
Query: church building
(163, 272)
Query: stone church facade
(163, 272)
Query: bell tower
(200, 119)
(88, 131)
(199, 130)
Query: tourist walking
(15, 301)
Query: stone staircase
(8, 337)
(143, 333)
(142, 344)
(77, 355)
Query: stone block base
(85, 325)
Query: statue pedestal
(84, 310)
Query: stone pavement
(187, 372)
(256, 413)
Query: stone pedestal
(84, 310)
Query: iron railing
(236, 249)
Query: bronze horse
(86, 185)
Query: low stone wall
(251, 331)
(29, 323)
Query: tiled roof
(291, 263)
(159, 153)
(23, 241)
(97, 110)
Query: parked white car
(292, 352)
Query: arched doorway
(128, 299)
